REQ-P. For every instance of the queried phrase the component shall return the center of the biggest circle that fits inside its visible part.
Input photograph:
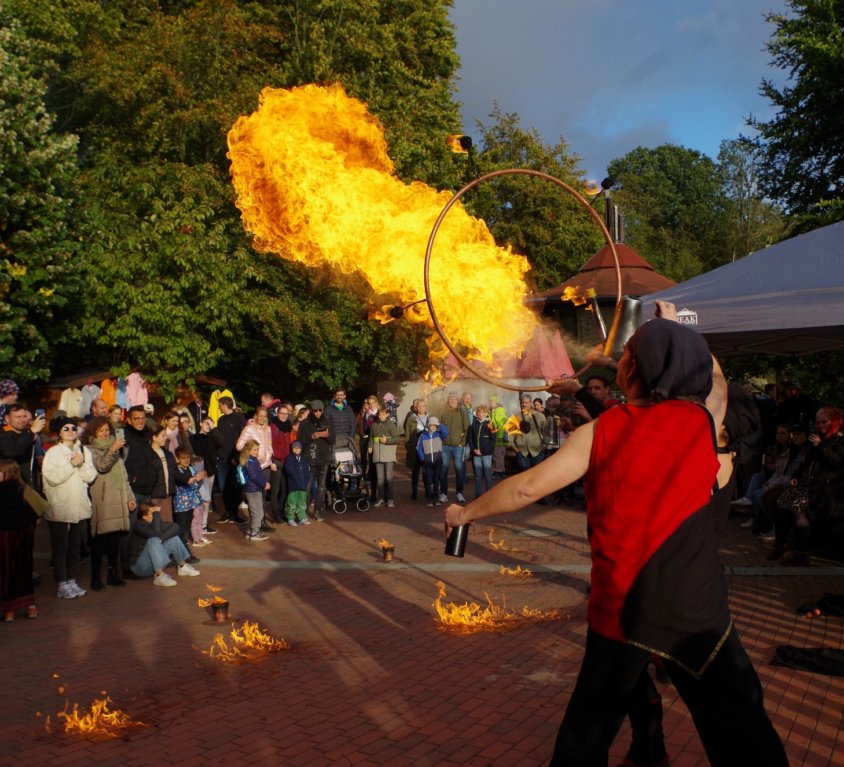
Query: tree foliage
(803, 143)
(37, 177)
(674, 208)
(536, 217)
(152, 87)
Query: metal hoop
(460, 192)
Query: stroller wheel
(363, 504)
(339, 507)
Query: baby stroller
(347, 482)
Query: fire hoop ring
(460, 192)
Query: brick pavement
(370, 680)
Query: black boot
(114, 578)
(96, 579)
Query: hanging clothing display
(214, 405)
(70, 402)
(136, 390)
(90, 392)
(120, 397)
(108, 391)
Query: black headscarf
(673, 361)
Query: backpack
(242, 477)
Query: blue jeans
(528, 461)
(454, 453)
(483, 472)
(157, 554)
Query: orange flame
(215, 600)
(383, 543)
(576, 295)
(249, 643)
(502, 545)
(213, 589)
(471, 618)
(315, 184)
(99, 721)
(517, 571)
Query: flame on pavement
(247, 643)
(516, 571)
(471, 618)
(215, 600)
(315, 185)
(383, 543)
(101, 721)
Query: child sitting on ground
(188, 508)
(429, 450)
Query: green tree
(803, 144)
(536, 217)
(152, 89)
(753, 222)
(674, 209)
(37, 177)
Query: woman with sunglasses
(67, 471)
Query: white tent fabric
(785, 299)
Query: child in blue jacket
(254, 487)
(298, 479)
(429, 450)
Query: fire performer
(658, 585)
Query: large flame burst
(315, 185)
(471, 618)
(101, 721)
(248, 643)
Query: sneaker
(438, 503)
(742, 502)
(65, 592)
(162, 579)
(199, 544)
(430, 504)
(209, 530)
(443, 498)
(391, 504)
(76, 588)
(207, 541)
(293, 523)
(461, 498)
(305, 522)
(377, 504)
(187, 569)
(256, 537)
(747, 524)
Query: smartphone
(118, 432)
(39, 413)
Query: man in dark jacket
(17, 439)
(229, 426)
(314, 435)
(138, 460)
(341, 417)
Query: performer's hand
(667, 311)
(454, 517)
(563, 386)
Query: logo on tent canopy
(687, 317)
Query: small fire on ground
(247, 643)
(383, 543)
(516, 571)
(501, 545)
(215, 600)
(471, 618)
(100, 722)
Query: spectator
(796, 407)
(482, 444)
(456, 421)
(112, 500)
(415, 424)
(187, 504)
(528, 439)
(341, 418)
(367, 416)
(281, 429)
(17, 531)
(206, 445)
(68, 469)
(153, 544)
(99, 409)
(384, 435)
(498, 417)
(229, 427)
(9, 391)
(164, 465)
(254, 486)
(314, 434)
(298, 481)
(17, 440)
(429, 449)
(258, 430)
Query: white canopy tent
(785, 299)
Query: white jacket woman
(66, 483)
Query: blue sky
(611, 75)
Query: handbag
(795, 499)
(37, 502)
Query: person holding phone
(18, 439)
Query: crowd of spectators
(138, 491)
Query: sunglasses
(70, 428)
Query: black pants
(725, 704)
(107, 544)
(278, 491)
(66, 540)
